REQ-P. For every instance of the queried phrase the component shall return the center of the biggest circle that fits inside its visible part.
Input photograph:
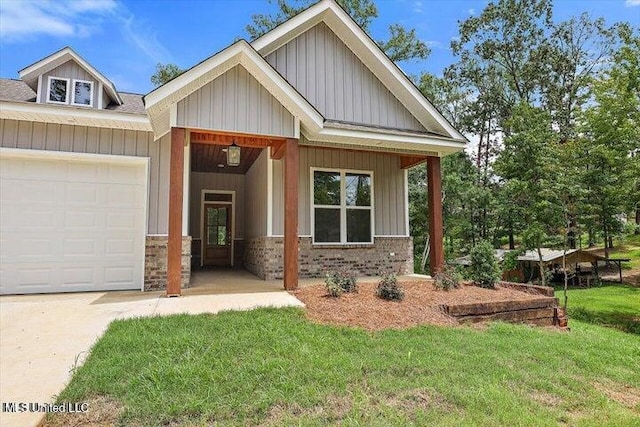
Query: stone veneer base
(155, 263)
(264, 257)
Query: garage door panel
(71, 225)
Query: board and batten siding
(217, 182)
(235, 102)
(388, 188)
(334, 80)
(83, 139)
(71, 70)
(256, 197)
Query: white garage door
(71, 222)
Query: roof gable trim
(60, 57)
(158, 101)
(367, 51)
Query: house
(107, 190)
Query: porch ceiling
(209, 157)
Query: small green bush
(446, 279)
(389, 289)
(339, 282)
(484, 269)
(333, 289)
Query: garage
(71, 222)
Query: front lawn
(274, 367)
(612, 305)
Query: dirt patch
(102, 411)
(545, 398)
(411, 400)
(625, 395)
(421, 305)
(334, 409)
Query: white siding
(256, 197)
(82, 139)
(236, 102)
(332, 78)
(388, 187)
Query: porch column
(174, 246)
(434, 182)
(291, 158)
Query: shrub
(446, 279)
(339, 282)
(484, 269)
(389, 289)
(333, 289)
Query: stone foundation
(263, 257)
(155, 267)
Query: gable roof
(163, 99)
(31, 73)
(329, 12)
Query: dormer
(65, 78)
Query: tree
(611, 129)
(573, 52)
(528, 166)
(165, 73)
(402, 44)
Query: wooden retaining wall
(543, 310)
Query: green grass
(629, 248)
(273, 367)
(613, 305)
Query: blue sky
(124, 39)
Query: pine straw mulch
(421, 305)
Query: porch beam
(277, 150)
(227, 138)
(434, 196)
(174, 245)
(291, 161)
(407, 162)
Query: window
(82, 93)
(58, 90)
(342, 210)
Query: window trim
(66, 98)
(73, 93)
(342, 206)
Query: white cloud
(632, 3)
(26, 21)
(20, 21)
(471, 11)
(417, 6)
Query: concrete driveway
(42, 337)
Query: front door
(217, 235)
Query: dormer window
(82, 93)
(79, 92)
(58, 90)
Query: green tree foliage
(402, 44)
(611, 140)
(165, 73)
(529, 166)
(484, 269)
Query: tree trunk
(512, 243)
(610, 242)
(637, 220)
(543, 279)
(606, 241)
(571, 235)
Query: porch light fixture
(233, 154)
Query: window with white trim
(82, 93)
(342, 206)
(58, 90)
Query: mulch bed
(421, 305)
